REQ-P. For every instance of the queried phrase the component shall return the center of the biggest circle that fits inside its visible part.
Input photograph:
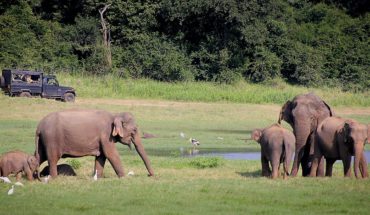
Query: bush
(157, 59)
(266, 65)
(75, 164)
(206, 162)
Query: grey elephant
(277, 146)
(340, 139)
(304, 113)
(77, 133)
(18, 162)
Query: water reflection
(227, 153)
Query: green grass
(275, 92)
(182, 185)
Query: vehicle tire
(2, 81)
(69, 97)
(25, 94)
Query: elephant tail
(39, 151)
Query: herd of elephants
(317, 135)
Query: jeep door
(51, 88)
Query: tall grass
(275, 92)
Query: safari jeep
(24, 83)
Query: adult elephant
(340, 139)
(77, 133)
(304, 113)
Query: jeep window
(17, 77)
(53, 82)
(31, 78)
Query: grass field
(274, 92)
(180, 185)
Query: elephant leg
(29, 173)
(314, 166)
(99, 164)
(329, 167)
(111, 153)
(297, 158)
(275, 163)
(321, 169)
(266, 171)
(275, 169)
(18, 176)
(347, 166)
(363, 167)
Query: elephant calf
(16, 162)
(277, 146)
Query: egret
(131, 173)
(182, 135)
(11, 191)
(18, 183)
(96, 175)
(6, 179)
(194, 142)
(46, 179)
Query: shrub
(206, 162)
(75, 164)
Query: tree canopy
(304, 42)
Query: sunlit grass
(276, 92)
(182, 185)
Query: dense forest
(310, 43)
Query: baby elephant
(277, 146)
(16, 162)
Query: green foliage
(206, 162)
(303, 42)
(75, 164)
(266, 65)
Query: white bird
(182, 135)
(194, 142)
(46, 179)
(11, 191)
(18, 183)
(96, 175)
(131, 173)
(6, 179)
(220, 138)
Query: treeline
(309, 43)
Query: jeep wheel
(69, 97)
(25, 94)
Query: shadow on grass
(254, 174)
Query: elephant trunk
(141, 151)
(301, 132)
(358, 157)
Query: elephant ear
(285, 111)
(368, 134)
(117, 127)
(330, 110)
(32, 162)
(256, 134)
(346, 132)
